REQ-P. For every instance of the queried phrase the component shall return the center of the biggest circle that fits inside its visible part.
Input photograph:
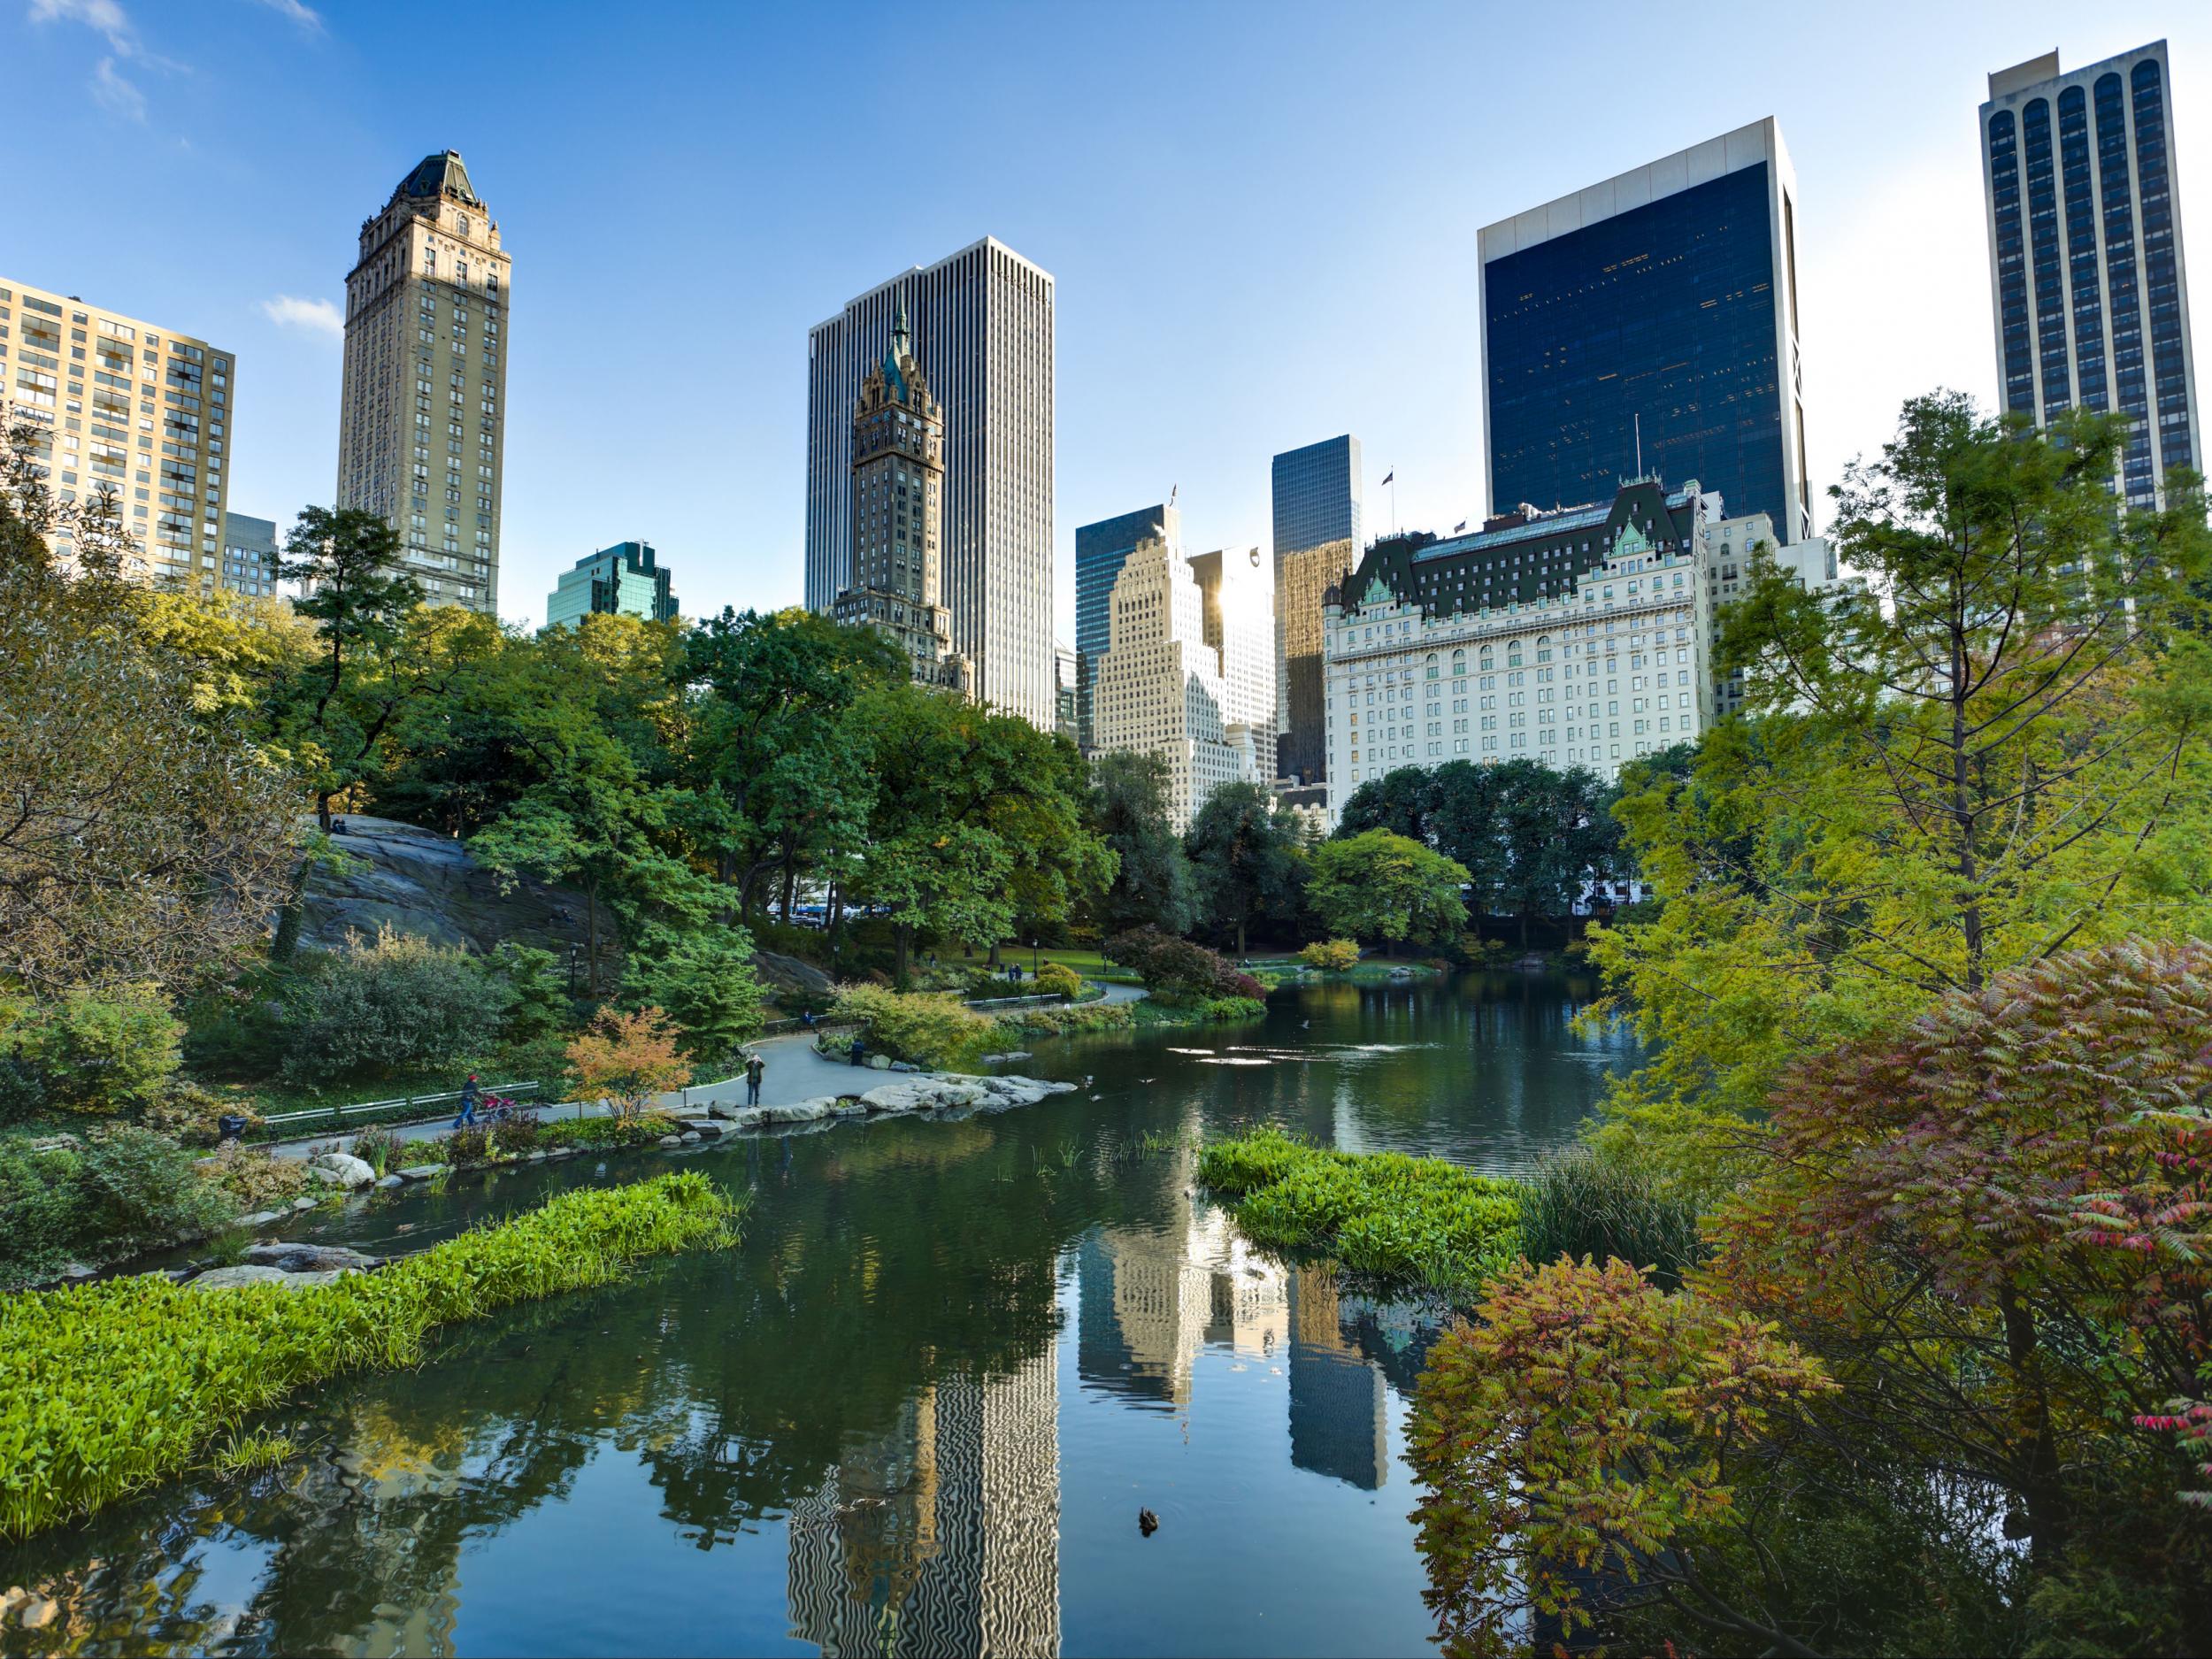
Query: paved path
(795, 1072)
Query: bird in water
(1148, 1523)
(1305, 1025)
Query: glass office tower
(2087, 275)
(1318, 538)
(1101, 550)
(1649, 325)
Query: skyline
(1297, 271)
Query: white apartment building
(1576, 638)
(1188, 670)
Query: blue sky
(1262, 218)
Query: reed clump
(107, 1388)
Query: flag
(1392, 473)
(1457, 528)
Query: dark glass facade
(1317, 494)
(2088, 283)
(1101, 550)
(1665, 313)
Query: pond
(919, 1408)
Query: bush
(253, 1179)
(1402, 1220)
(1056, 978)
(1229, 1009)
(1068, 1017)
(540, 1005)
(926, 1029)
(603, 1133)
(1176, 968)
(1584, 1204)
(402, 1003)
(103, 1052)
(191, 1116)
(1331, 956)
(138, 1375)
(119, 1190)
(377, 1146)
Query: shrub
(1176, 968)
(1227, 1009)
(603, 1133)
(1056, 978)
(539, 1002)
(401, 1003)
(1393, 1217)
(926, 1029)
(628, 1057)
(1331, 956)
(104, 1052)
(139, 1375)
(1583, 1204)
(1068, 1017)
(119, 1190)
(253, 1179)
(191, 1115)
(377, 1146)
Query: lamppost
(1033, 957)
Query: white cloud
(116, 94)
(305, 16)
(317, 317)
(103, 15)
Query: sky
(1261, 219)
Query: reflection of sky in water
(917, 1410)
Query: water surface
(916, 1411)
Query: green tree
(1401, 800)
(1153, 885)
(1386, 887)
(705, 982)
(358, 594)
(1243, 851)
(1991, 750)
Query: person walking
(754, 1067)
(468, 1104)
(858, 1051)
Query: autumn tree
(628, 1058)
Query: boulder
(39, 1612)
(848, 1106)
(422, 1171)
(893, 1097)
(304, 1281)
(393, 1180)
(233, 1278)
(307, 1258)
(427, 884)
(880, 1061)
(690, 1138)
(722, 1110)
(305, 1203)
(805, 1111)
(342, 1169)
(1010, 1055)
(260, 1219)
(905, 1065)
(701, 1125)
(806, 981)
(671, 1140)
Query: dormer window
(462, 224)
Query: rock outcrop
(800, 980)
(420, 882)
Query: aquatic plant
(107, 1388)
(1399, 1220)
(1600, 1205)
(249, 1454)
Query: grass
(1580, 1203)
(111, 1387)
(1401, 1221)
(250, 1454)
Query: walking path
(795, 1072)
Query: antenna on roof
(1640, 445)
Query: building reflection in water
(1339, 1423)
(941, 1535)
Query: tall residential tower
(422, 414)
(982, 336)
(130, 404)
(1101, 550)
(1317, 502)
(1647, 326)
(2087, 276)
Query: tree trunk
(902, 933)
(591, 940)
(322, 810)
(994, 961)
(286, 942)
(1239, 939)
(790, 879)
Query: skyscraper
(1317, 502)
(422, 412)
(250, 554)
(1647, 327)
(2087, 276)
(624, 580)
(982, 335)
(1101, 550)
(130, 404)
(897, 506)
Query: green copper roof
(441, 174)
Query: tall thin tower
(2085, 270)
(422, 412)
(982, 335)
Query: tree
(358, 594)
(1243, 850)
(142, 839)
(1401, 801)
(704, 980)
(628, 1058)
(1386, 886)
(1992, 750)
(1152, 883)
(1557, 835)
